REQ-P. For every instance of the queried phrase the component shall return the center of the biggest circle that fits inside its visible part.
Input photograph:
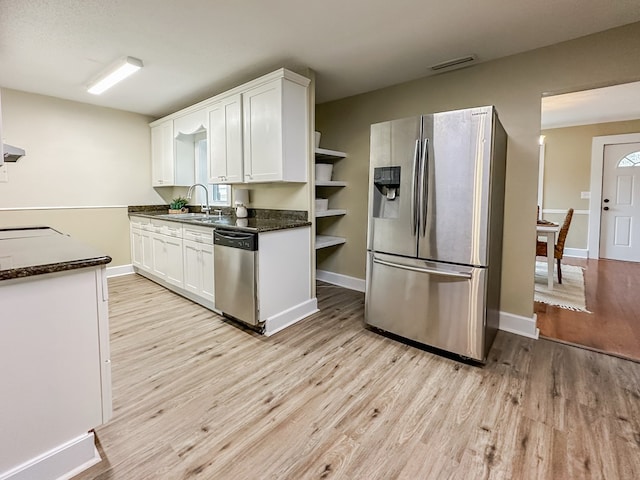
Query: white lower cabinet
(181, 258)
(167, 258)
(147, 251)
(198, 261)
(136, 246)
(55, 366)
(198, 269)
(177, 256)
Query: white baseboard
(519, 325)
(576, 252)
(284, 319)
(119, 270)
(62, 463)
(352, 283)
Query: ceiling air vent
(454, 63)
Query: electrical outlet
(4, 174)
(585, 195)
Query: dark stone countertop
(29, 251)
(258, 221)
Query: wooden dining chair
(558, 251)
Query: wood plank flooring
(611, 290)
(198, 398)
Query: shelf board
(326, 154)
(324, 241)
(332, 212)
(330, 183)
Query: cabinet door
(147, 251)
(262, 116)
(162, 158)
(206, 255)
(159, 256)
(173, 248)
(136, 247)
(225, 141)
(191, 267)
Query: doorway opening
(581, 130)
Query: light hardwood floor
(196, 397)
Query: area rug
(569, 295)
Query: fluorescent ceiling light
(114, 74)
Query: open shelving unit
(333, 212)
(324, 241)
(324, 155)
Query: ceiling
(194, 49)
(599, 105)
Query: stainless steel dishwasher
(235, 263)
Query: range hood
(11, 153)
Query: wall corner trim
(119, 270)
(352, 283)
(519, 325)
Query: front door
(620, 209)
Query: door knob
(606, 200)
(606, 208)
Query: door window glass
(631, 160)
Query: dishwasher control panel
(236, 239)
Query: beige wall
(107, 229)
(514, 85)
(567, 171)
(77, 155)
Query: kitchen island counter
(55, 365)
(28, 251)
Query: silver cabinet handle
(432, 271)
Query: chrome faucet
(206, 209)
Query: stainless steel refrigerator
(434, 239)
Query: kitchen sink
(185, 215)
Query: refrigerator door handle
(431, 271)
(425, 188)
(415, 190)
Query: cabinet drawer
(138, 222)
(198, 234)
(171, 229)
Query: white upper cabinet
(225, 141)
(172, 153)
(256, 132)
(162, 162)
(275, 117)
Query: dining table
(550, 231)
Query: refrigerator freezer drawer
(433, 303)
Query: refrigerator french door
(435, 229)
